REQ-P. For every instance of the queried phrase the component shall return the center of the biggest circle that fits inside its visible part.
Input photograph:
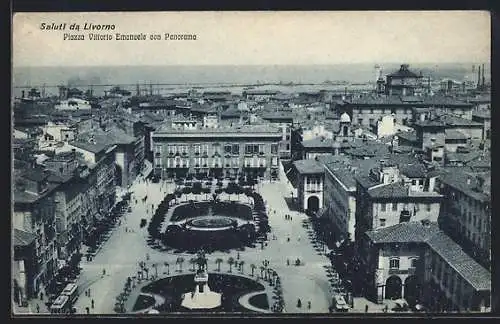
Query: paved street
(121, 253)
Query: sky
(256, 38)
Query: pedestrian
(87, 309)
(298, 238)
(287, 262)
(290, 217)
(238, 256)
(41, 295)
(288, 239)
(92, 303)
(299, 303)
(88, 294)
(103, 272)
(309, 305)
(366, 308)
(37, 308)
(386, 308)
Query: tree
(262, 269)
(167, 265)
(253, 266)
(242, 263)
(180, 261)
(230, 261)
(192, 261)
(218, 261)
(155, 266)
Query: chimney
(483, 76)
(479, 76)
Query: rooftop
(440, 243)
(309, 166)
(22, 238)
(404, 72)
(469, 183)
(318, 142)
(223, 129)
(455, 134)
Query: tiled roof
(467, 268)
(482, 114)
(397, 190)
(463, 157)
(414, 170)
(455, 134)
(458, 180)
(451, 120)
(440, 243)
(407, 232)
(22, 238)
(95, 147)
(318, 143)
(391, 190)
(309, 166)
(409, 136)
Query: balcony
(400, 271)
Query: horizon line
(269, 64)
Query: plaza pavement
(123, 251)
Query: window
(384, 207)
(288, 147)
(394, 263)
(382, 222)
(413, 263)
(394, 206)
(227, 149)
(414, 182)
(360, 121)
(274, 161)
(274, 148)
(235, 149)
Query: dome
(345, 118)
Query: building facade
(310, 175)
(466, 214)
(245, 150)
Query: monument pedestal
(202, 297)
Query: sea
(225, 77)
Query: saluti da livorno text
(74, 26)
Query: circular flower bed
(232, 287)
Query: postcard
(254, 163)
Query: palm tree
(253, 266)
(180, 261)
(242, 263)
(218, 261)
(167, 265)
(192, 261)
(230, 261)
(155, 265)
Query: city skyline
(275, 38)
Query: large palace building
(209, 149)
